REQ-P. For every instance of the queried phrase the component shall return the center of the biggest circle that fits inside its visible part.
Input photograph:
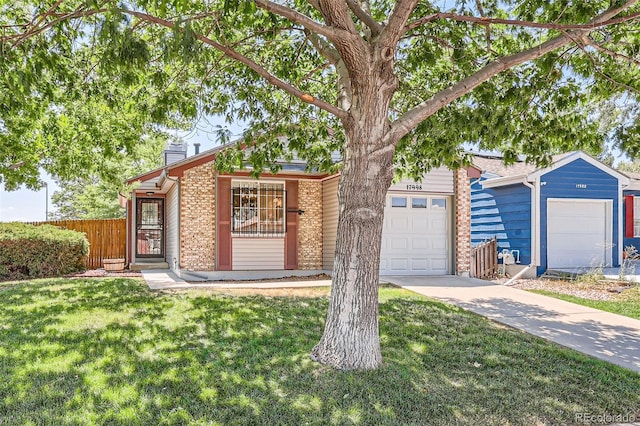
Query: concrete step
(139, 266)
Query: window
(418, 203)
(258, 209)
(636, 217)
(149, 213)
(438, 203)
(400, 202)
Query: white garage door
(578, 233)
(416, 236)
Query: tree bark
(351, 339)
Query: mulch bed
(92, 273)
(598, 290)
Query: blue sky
(25, 205)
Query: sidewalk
(610, 337)
(165, 279)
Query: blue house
(568, 215)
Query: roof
(189, 161)
(495, 165)
(522, 171)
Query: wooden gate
(484, 259)
(107, 237)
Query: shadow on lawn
(109, 351)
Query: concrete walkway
(165, 279)
(610, 337)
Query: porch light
(150, 193)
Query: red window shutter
(628, 216)
(223, 216)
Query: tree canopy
(95, 195)
(145, 63)
(396, 86)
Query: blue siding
(563, 183)
(504, 213)
(629, 241)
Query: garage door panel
(585, 224)
(439, 265)
(577, 233)
(399, 243)
(438, 224)
(419, 243)
(419, 264)
(416, 237)
(399, 224)
(439, 244)
(420, 224)
(398, 264)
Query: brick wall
(197, 219)
(310, 225)
(463, 222)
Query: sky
(25, 205)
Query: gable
(580, 174)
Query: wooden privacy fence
(107, 237)
(484, 259)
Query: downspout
(519, 274)
(534, 224)
(127, 231)
(176, 262)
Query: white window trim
(235, 183)
(636, 216)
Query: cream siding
(172, 227)
(438, 181)
(329, 221)
(254, 254)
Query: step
(139, 266)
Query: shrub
(28, 251)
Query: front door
(150, 227)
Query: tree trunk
(351, 340)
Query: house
(631, 216)
(567, 215)
(194, 220)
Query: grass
(108, 351)
(627, 303)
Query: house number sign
(414, 187)
(581, 185)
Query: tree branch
(613, 54)
(396, 26)
(366, 19)
(323, 48)
(299, 18)
(230, 53)
(487, 27)
(408, 121)
(337, 15)
(486, 21)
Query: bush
(28, 251)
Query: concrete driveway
(610, 337)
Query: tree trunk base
(359, 357)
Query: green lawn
(108, 351)
(627, 303)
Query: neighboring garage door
(416, 235)
(578, 233)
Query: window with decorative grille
(258, 209)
